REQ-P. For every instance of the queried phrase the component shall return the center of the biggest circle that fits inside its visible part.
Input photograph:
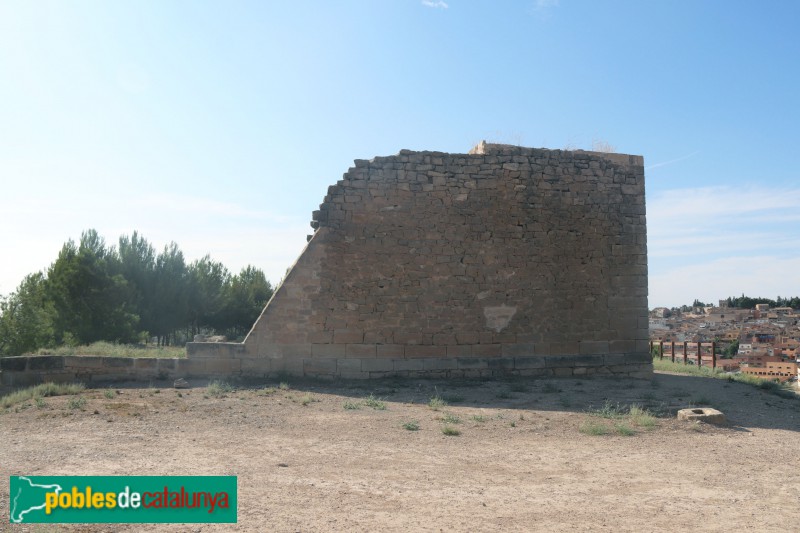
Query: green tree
(90, 299)
(208, 283)
(170, 299)
(26, 317)
(248, 293)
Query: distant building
(776, 371)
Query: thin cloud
(438, 4)
(543, 5)
(671, 161)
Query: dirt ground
(526, 458)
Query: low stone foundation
(230, 361)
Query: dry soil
(526, 458)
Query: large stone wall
(505, 260)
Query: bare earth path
(521, 462)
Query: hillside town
(763, 341)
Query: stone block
(439, 364)
(146, 365)
(408, 365)
(223, 367)
(344, 366)
(192, 367)
(487, 350)
(377, 365)
(255, 366)
(328, 350)
(593, 347)
(390, 350)
(315, 367)
(621, 346)
(46, 362)
(348, 336)
(519, 349)
(472, 362)
(13, 364)
(529, 362)
(425, 351)
(88, 361)
(561, 348)
(360, 350)
(118, 362)
(500, 362)
(167, 364)
(459, 350)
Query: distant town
(761, 341)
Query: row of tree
(746, 302)
(128, 293)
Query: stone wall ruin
(506, 260)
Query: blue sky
(219, 125)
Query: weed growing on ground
(40, 403)
(593, 427)
(109, 394)
(412, 425)
(40, 391)
(449, 418)
(108, 349)
(437, 402)
(375, 403)
(283, 386)
(641, 417)
(480, 419)
(77, 403)
(450, 431)
(351, 405)
(624, 429)
(307, 399)
(218, 389)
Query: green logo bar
(122, 499)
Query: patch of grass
(480, 419)
(609, 410)
(593, 427)
(513, 424)
(307, 399)
(109, 349)
(283, 386)
(77, 403)
(449, 418)
(641, 417)
(41, 391)
(351, 405)
(450, 431)
(40, 403)
(624, 429)
(375, 403)
(412, 425)
(109, 394)
(779, 389)
(266, 391)
(437, 402)
(217, 388)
